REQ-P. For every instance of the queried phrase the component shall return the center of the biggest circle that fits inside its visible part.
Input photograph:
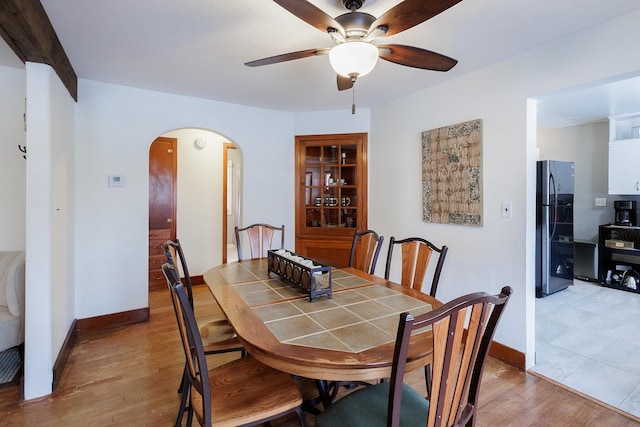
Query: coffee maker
(626, 212)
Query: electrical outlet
(601, 201)
(507, 211)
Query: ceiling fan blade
(310, 14)
(344, 83)
(416, 57)
(410, 13)
(287, 57)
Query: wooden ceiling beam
(26, 28)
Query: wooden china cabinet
(331, 195)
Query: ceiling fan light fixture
(353, 58)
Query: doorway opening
(584, 333)
(231, 205)
(208, 196)
(162, 204)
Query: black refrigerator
(554, 226)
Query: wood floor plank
(130, 376)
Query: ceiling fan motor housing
(356, 24)
(352, 4)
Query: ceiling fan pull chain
(353, 99)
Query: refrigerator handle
(554, 203)
(552, 185)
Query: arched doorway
(208, 196)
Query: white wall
(12, 166)
(49, 286)
(62, 212)
(116, 126)
(326, 122)
(501, 251)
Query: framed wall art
(452, 174)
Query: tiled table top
(361, 315)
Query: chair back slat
(173, 252)
(415, 261)
(365, 250)
(184, 335)
(476, 333)
(440, 332)
(260, 237)
(462, 332)
(416, 254)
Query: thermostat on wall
(116, 181)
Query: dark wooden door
(162, 204)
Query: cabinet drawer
(157, 277)
(163, 234)
(156, 247)
(619, 244)
(156, 261)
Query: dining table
(347, 336)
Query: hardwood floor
(129, 376)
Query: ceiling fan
(354, 54)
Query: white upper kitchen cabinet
(624, 154)
(624, 173)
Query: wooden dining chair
(216, 333)
(240, 392)
(364, 256)
(173, 252)
(460, 348)
(416, 256)
(260, 237)
(365, 250)
(215, 329)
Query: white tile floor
(588, 338)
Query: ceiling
(590, 104)
(199, 47)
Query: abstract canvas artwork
(452, 174)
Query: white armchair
(11, 299)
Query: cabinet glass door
(331, 190)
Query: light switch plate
(507, 211)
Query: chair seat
(204, 316)
(218, 336)
(245, 390)
(367, 407)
